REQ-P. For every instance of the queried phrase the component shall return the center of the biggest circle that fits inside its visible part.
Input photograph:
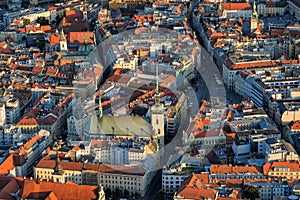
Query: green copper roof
(85, 48)
(119, 125)
(157, 109)
(92, 126)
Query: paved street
(209, 86)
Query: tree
(107, 193)
(126, 193)
(251, 192)
(137, 195)
(26, 21)
(159, 195)
(42, 21)
(25, 3)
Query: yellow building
(288, 170)
(117, 4)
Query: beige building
(271, 8)
(117, 4)
(279, 151)
(134, 179)
(288, 170)
(131, 178)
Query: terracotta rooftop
(293, 166)
(45, 163)
(7, 165)
(236, 6)
(295, 126)
(208, 133)
(81, 38)
(260, 64)
(229, 169)
(102, 168)
(49, 190)
(121, 169)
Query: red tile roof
(7, 165)
(260, 64)
(269, 167)
(209, 133)
(229, 169)
(121, 169)
(236, 6)
(46, 163)
(295, 126)
(192, 188)
(119, 79)
(10, 185)
(49, 190)
(102, 168)
(81, 38)
(74, 13)
(74, 166)
(54, 39)
(34, 139)
(197, 193)
(37, 70)
(52, 71)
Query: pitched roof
(192, 188)
(49, 190)
(46, 163)
(197, 193)
(293, 166)
(7, 165)
(295, 126)
(259, 64)
(122, 169)
(236, 6)
(229, 169)
(81, 38)
(208, 133)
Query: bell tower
(63, 42)
(85, 16)
(254, 18)
(157, 116)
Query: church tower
(157, 116)
(100, 107)
(63, 42)
(57, 175)
(254, 18)
(84, 12)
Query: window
(157, 121)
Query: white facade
(171, 181)
(2, 114)
(9, 135)
(32, 15)
(76, 126)
(241, 150)
(12, 111)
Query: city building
(131, 178)
(49, 114)
(287, 170)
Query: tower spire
(100, 107)
(84, 7)
(57, 168)
(63, 38)
(254, 12)
(157, 99)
